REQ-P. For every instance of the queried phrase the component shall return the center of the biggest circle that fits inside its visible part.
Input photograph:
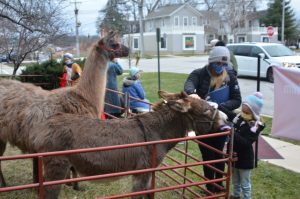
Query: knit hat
(219, 54)
(133, 71)
(68, 56)
(255, 103)
(213, 42)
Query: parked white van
(274, 54)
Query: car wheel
(270, 76)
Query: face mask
(246, 116)
(217, 68)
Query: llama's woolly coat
(22, 105)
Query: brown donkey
(172, 118)
(23, 105)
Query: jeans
(241, 182)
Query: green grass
(268, 181)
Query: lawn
(268, 181)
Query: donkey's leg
(2, 150)
(75, 185)
(75, 175)
(55, 169)
(35, 170)
(140, 183)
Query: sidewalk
(288, 151)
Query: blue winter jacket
(134, 89)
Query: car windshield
(278, 51)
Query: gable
(171, 10)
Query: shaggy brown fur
(22, 106)
(172, 118)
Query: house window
(194, 21)
(265, 39)
(135, 43)
(185, 21)
(241, 39)
(176, 21)
(163, 43)
(189, 42)
(151, 25)
(250, 24)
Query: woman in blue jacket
(114, 69)
(133, 87)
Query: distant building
(182, 31)
(186, 30)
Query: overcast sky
(88, 13)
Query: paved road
(188, 64)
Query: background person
(114, 69)
(72, 69)
(133, 86)
(248, 126)
(201, 83)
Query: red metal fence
(185, 186)
(178, 175)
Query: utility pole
(77, 25)
(282, 24)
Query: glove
(257, 125)
(195, 96)
(213, 104)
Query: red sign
(270, 31)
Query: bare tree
(235, 12)
(28, 26)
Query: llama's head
(111, 46)
(202, 117)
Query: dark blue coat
(243, 139)
(114, 69)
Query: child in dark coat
(247, 126)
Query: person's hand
(195, 96)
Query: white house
(182, 31)
(186, 30)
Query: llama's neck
(93, 81)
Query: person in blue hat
(247, 126)
(132, 85)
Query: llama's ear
(181, 105)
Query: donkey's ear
(183, 94)
(164, 94)
(170, 96)
(181, 105)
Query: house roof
(210, 14)
(168, 11)
(256, 14)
